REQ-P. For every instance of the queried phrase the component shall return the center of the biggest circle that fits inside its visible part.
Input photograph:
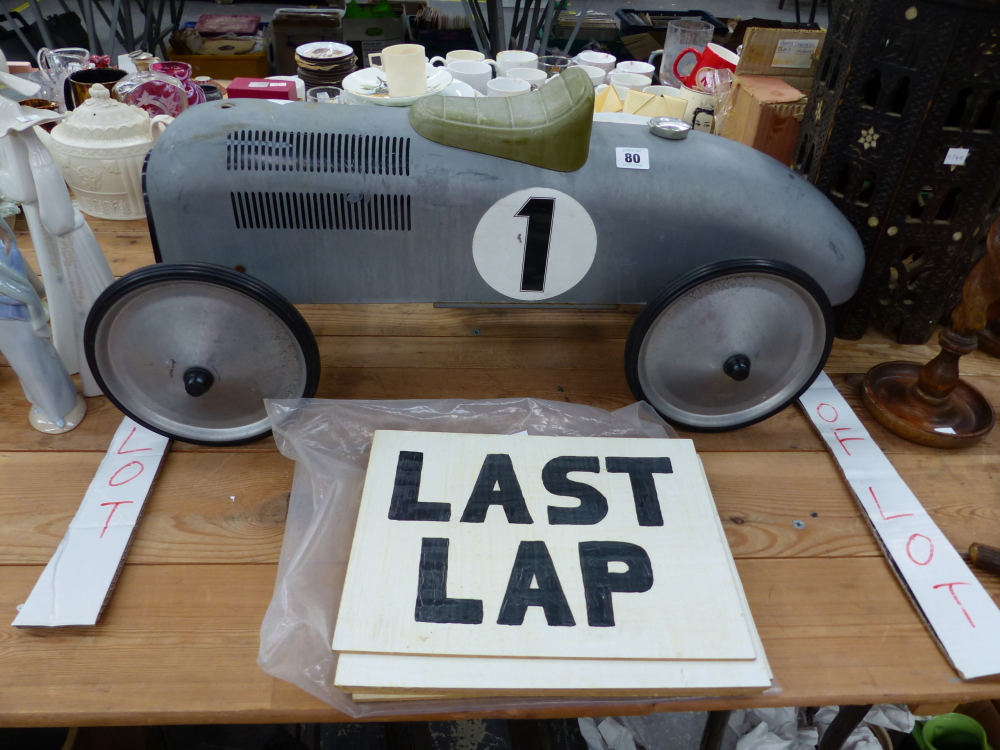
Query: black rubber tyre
(159, 276)
(792, 278)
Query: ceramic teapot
(100, 148)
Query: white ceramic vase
(100, 148)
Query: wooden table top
(178, 642)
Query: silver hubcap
(155, 345)
(691, 360)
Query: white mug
(507, 87)
(533, 76)
(625, 81)
(601, 60)
(514, 58)
(597, 75)
(635, 66)
(405, 67)
(700, 111)
(459, 54)
(476, 74)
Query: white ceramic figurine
(26, 342)
(73, 268)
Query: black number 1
(538, 211)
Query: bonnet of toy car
(192, 350)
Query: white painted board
(959, 612)
(404, 672)
(78, 580)
(690, 610)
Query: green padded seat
(548, 128)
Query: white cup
(459, 54)
(637, 67)
(533, 76)
(625, 81)
(405, 67)
(663, 91)
(513, 58)
(597, 75)
(507, 87)
(601, 60)
(476, 74)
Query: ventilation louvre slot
(259, 210)
(277, 151)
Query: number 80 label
(534, 244)
(632, 158)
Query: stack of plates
(324, 63)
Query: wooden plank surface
(180, 638)
(179, 643)
(227, 507)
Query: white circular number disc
(534, 244)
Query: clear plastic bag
(330, 443)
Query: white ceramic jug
(99, 148)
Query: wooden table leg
(845, 722)
(715, 728)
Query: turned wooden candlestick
(989, 339)
(930, 404)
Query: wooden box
(225, 67)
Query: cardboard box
(789, 54)
(369, 35)
(225, 67)
(293, 27)
(766, 114)
(641, 46)
(257, 88)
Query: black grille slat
(280, 151)
(326, 211)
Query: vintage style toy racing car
(521, 201)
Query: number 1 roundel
(534, 244)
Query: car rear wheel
(729, 344)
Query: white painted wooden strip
(78, 581)
(958, 611)
(404, 672)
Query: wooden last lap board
(528, 565)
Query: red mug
(713, 56)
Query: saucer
(459, 88)
(368, 86)
(325, 52)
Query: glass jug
(157, 93)
(57, 65)
(182, 72)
